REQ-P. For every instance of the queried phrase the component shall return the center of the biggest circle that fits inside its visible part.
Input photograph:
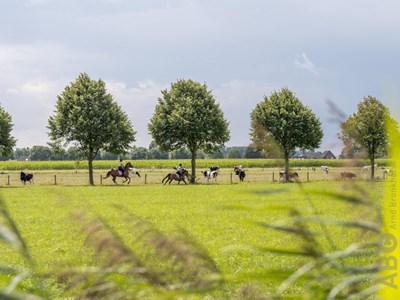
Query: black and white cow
(210, 175)
(26, 177)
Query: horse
(116, 173)
(239, 172)
(174, 176)
(134, 171)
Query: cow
(210, 175)
(349, 175)
(367, 168)
(292, 175)
(325, 169)
(26, 177)
(239, 172)
(214, 168)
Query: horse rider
(179, 170)
(121, 167)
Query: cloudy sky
(326, 51)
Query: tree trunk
(193, 163)
(286, 165)
(91, 181)
(372, 160)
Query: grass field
(221, 217)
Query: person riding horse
(121, 167)
(179, 170)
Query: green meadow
(229, 222)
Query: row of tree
(187, 116)
(46, 153)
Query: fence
(148, 176)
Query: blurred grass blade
(357, 224)
(286, 251)
(342, 197)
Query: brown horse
(116, 173)
(174, 176)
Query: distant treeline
(45, 153)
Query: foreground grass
(221, 218)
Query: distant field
(168, 164)
(212, 214)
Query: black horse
(239, 172)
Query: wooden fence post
(231, 178)
(101, 179)
(273, 176)
(145, 178)
(308, 176)
(55, 179)
(8, 179)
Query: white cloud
(303, 62)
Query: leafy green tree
(187, 116)
(138, 153)
(40, 153)
(368, 128)
(87, 116)
(263, 140)
(180, 154)
(7, 141)
(251, 152)
(351, 149)
(291, 124)
(234, 152)
(155, 152)
(21, 153)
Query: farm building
(313, 155)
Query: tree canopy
(7, 141)
(187, 116)
(87, 116)
(291, 124)
(367, 128)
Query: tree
(351, 149)
(263, 140)
(234, 152)
(291, 124)
(368, 128)
(7, 141)
(40, 153)
(251, 152)
(87, 116)
(187, 116)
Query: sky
(331, 54)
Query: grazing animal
(325, 169)
(134, 171)
(239, 172)
(210, 175)
(386, 172)
(26, 177)
(348, 175)
(116, 173)
(214, 168)
(174, 176)
(292, 175)
(313, 168)
(367, 168)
